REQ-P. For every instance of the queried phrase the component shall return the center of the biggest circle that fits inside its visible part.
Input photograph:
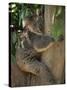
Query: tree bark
(48, 18)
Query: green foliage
(58, 26)
(13, 46)
(58, 29)
(13, 10)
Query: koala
(28, 57)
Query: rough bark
(54, 58)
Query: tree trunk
(49, 12)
